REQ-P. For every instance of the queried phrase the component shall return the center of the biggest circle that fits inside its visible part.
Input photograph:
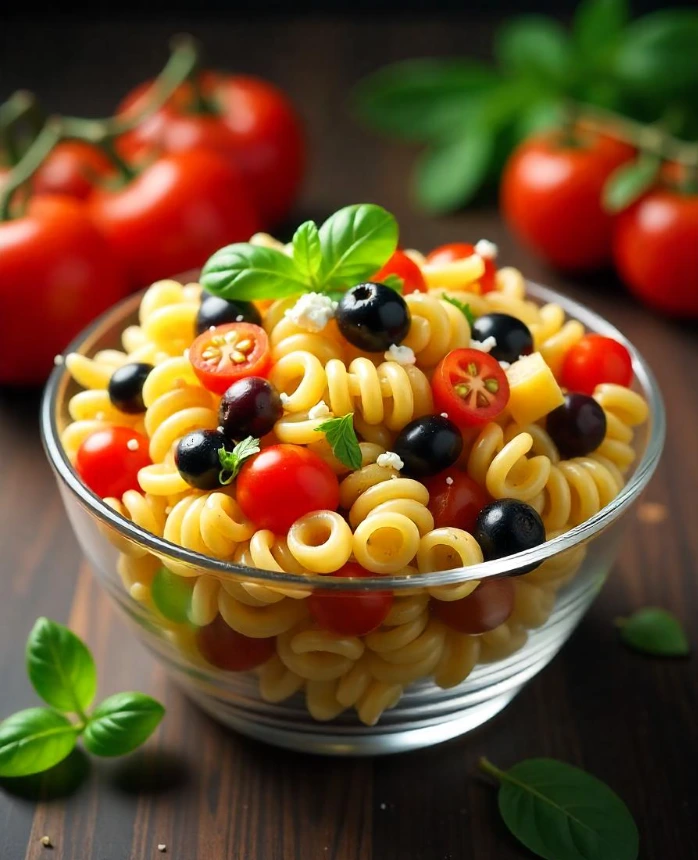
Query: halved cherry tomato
(470, 386)
(108, 461)
(487, 607)
(594, 360)
(227, 649)
(455, 499)
(350, 613)
(283, 483)
(401, 265)
(459, 251)
(229, 352)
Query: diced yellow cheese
(534, 392)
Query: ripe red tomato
(283, 483)
(248, 120)
(455, 499)
(487, 607)
(551, 198)
(55, 259)
(227, 649)
(401, 265)
(594, 360)
(175, 214)
(72, 168)
(354, 613)
(470, 386)
(229, 352)
(459, 251)
(655, 248)
(108, 461)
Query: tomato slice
(455, 499)
(350, 613)
(594, 360)
(470, 387)
(401, 265)
(228, 353)
(227, 649)
(459, 251)
(487, 607)
(108, 461)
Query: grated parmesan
(400, 354)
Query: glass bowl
(265, 703)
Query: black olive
(578, 426)
(372, 317)
(197, 458)
(508, 526)
(126, 387)
(215, 311)
(428, 445)
(250, 407)
(512, 336)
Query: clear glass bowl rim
(579, 534)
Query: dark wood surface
(208, 794)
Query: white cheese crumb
(239, 318)
(284, 398)
(486, 249)
(390, 460)
(384, 805)
(162, 847)
(400, 354)
(485, 345)
(58, 360)
(504, 365)
(449, 480)
(320, 410)
(212, 328)
(46, 842)
(444, 414)
(132, 444)
(312, 311)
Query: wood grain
(207, 794)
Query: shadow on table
(60, 781)
(150, 772)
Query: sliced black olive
(513, 337)
(428, 445)
(578, 426)
(372, 317)
(508, 526)
(198, 460)
(250, 407)
(215, 311)
(126, 387)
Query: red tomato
(596, 359)
(354, 613)
(459, 251)
(58, 270)
(455, 503)
(401, 265)
(229, 352)
(283, 483)
(227, 649)
(470, 386)
(487, 607)
(106, 463)
(655, 247)
(551, 198)
(72, 168)
(174, 214)
(247, 120)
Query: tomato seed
(492, 385)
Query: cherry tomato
(227, 649)
(55, 259)
(72, 168)
(596, 359)
(247, 120)
(108, 461)
(655, 247)
(401, 265)
(351, 613)
(487, 607)
(551, 198)
(283, 483)
(470, 387)
(459, 251)
(229, 352)
(174, 214)
(455, 499)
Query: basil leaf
(462, 307)
(341, 436)
(654, 631)
(535, 46)
(307, 254)
(121, 723)
(231, 461)
(629, 182)
(60, 667)
(562, 813)
(449, 175)
(35, 740)
(395, 282)
(249, 272)
(356, 241)
(171, 595)
(598, 24)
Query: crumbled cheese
(320, 410)
(239, 318)
(400, 354)
(284, 398)
(162, 847)
(390, 460)
(504, 365)
(58, 360)
(132, 444)
(486, 345)
(444, 414)
(449, 480)
(486, 249)
(212, 328)
(312, 311)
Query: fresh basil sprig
(62, 671)
(654, 631)
(232, 461)
(464, 308)
(351, 246)
(341, 436)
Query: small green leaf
(462, 307)
(341, 436)
(248, 272)
(536, 46)
(629, 182)
(172, 595)
(598, 24)
(395, 282)
(231, 461)
(307, 253)
(121, 723)
(60, 667)
(449, 175)
(562, 813)
(654, 631)
(34, 740)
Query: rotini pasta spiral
(437, 328)
(504, 469)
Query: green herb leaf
(60, 667)
(121, 723)
(629, 182)
(598, 24)
(462, 307)
(535, 46)
(307, 253)
(35, 740)
(654, 631)
(562, 813)
(341, 435)
(395, 282)
(249, 272)
(171, 595)
(449, 175)
(231, 461)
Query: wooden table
(207, 794)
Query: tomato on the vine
(594, 360)
(470, 386)
(72, 167)
(229, 352)
(459, 251)
(229, 650)
(455, 499)
(350, 613)
(487, 607)
(108, 460)
(410, 273)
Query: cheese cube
(534, 392)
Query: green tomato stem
(21, 105)
(33, 158)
